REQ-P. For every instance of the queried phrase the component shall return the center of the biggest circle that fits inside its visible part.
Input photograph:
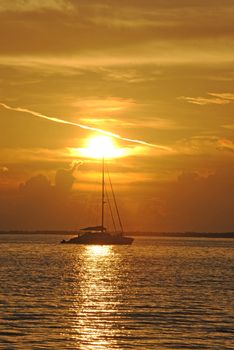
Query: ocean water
(163, 293)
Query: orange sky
(152, 70)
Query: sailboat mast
(103, 191)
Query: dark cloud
(192, 203)
(201, 203)
(35, 187)
(64, 178)
(38, 204)
(109, 24)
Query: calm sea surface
(164, 293)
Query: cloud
(39, 204)
(64, 178)
(228, 126)
(203, 145)
(128, 122)
(39, 185)
(50, 57)
(194, 201)
(115, 34)
(224, 95)
(101, 121)
(225, 145)
(97, 106)
(33, 155)
(35, 187)
(34, 5)
(129, 75)
(4, 169)
(220, 99)
(198, 203)
(26, 29)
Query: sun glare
(101, 146)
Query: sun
(101, 147)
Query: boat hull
(100, 239)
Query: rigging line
(116, 207)
(110, 209)
(103, 192)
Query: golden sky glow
(155, 71)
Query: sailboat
(98, 235)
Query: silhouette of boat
(98, 235)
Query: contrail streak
(82, 126)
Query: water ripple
(158, 294)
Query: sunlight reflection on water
(96, 296)
(162, 294)
(97, 250)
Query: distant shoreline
(146, 234)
